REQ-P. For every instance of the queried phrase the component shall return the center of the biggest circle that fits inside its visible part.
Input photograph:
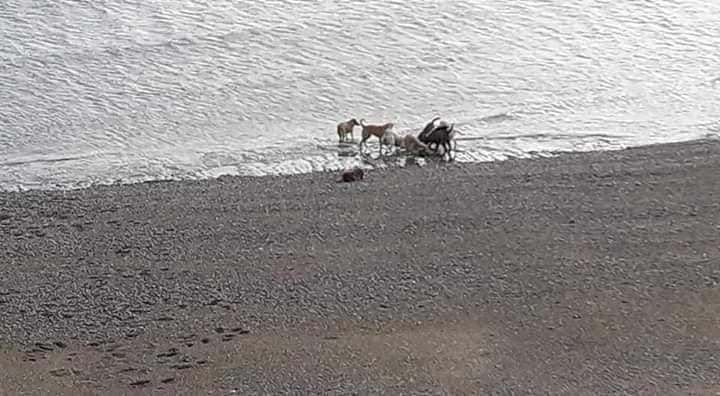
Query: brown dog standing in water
(373, 130)
(351, 175)
(346, 128)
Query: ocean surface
(116, 91)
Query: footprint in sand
(141, 382)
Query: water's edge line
(547, 155)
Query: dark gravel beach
(591, 273)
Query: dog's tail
(452, 131)
(429, 127)
(451, 135)
(362, 122)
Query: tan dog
(414, 146)
(346, 128)
(411, 144)
(373, 130)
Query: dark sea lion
(351, 175)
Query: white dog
(391, 140)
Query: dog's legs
(448, 150)
(362, 142)
(388, 150)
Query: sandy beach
(592, 273)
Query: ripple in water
(107, 91)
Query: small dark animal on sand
(351, 175)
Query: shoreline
(384, 166)
(584, 273)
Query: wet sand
(589, 273)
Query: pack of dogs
(435, 134)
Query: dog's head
(354, 122)
(389, 137)
(389, 126)
(429, 127)
(410, 141)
